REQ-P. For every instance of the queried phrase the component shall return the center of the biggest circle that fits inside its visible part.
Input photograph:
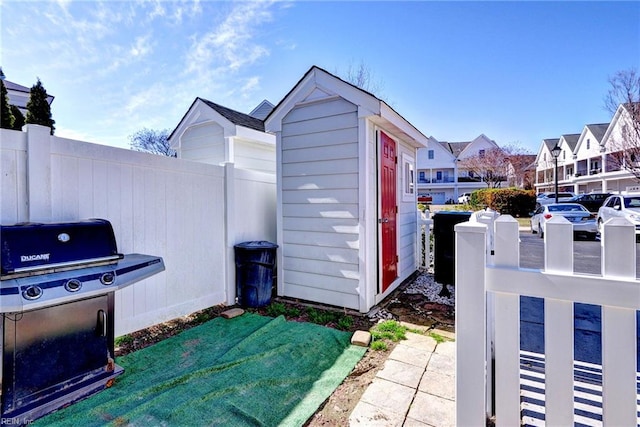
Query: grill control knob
(32, 292)
(73, 285)
(108, 278)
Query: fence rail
(490, 288)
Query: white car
(546, 198)
(464, 198)
(582, 220)
(621, 205)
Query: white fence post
(558, 326)
(39, 206)
(470, 244)
(424, 249)
(488, 217)
(619, 394)
(505, 315)
(230, 226)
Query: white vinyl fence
(191, 214)
(611, 396)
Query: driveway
(586, 254)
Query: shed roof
(378, 110)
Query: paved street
(586, 257)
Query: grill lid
(32, 247)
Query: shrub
(507, 201)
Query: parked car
(546, 198)
(584, 223)
(621, 205)
(464, 198)
(591, 201)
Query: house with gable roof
(19, 95)
(440, 177)
(212, 133)
(586, 166)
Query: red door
(388, 210)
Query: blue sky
(518, 72)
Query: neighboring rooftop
(236, 117)
(598, 130)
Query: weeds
(379, 346)
(321, 317)
(389, 330)
(124, 339)
(439, 338)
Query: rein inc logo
(38, 257)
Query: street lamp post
(555, 152)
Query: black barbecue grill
(57, 285)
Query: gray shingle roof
(598, 130)
(552, 142)
(571, 139)
(455, 148)
(236, 117)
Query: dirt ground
(410, 307)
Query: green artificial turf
(250, 370)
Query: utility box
(255, 266)
(444, 262)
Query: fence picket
(560, 388)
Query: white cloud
(233, 44)
(141, 47)
(252, 84)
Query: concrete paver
(411, 355)
(401, 373)
(415, 388)
(433, 410)
(389, 395)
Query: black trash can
(444, 244)
(255, 266)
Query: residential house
(440, 176)
(586, 165)
(19, 95)
(212, 133)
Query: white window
(430, 154)
(481, 154)
(408, 178)
(588, 143)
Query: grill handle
(102, 323)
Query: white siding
(320, 205)
(407, 225)
(204, 143)
(249, 155)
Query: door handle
(383, 220)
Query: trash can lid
(256, 244)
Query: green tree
(152, 141)
(19, 123)
(38, 108)
(7, 118)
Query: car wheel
(540, 232)
(600, 226)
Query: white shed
(212, 133)
(346, 220)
